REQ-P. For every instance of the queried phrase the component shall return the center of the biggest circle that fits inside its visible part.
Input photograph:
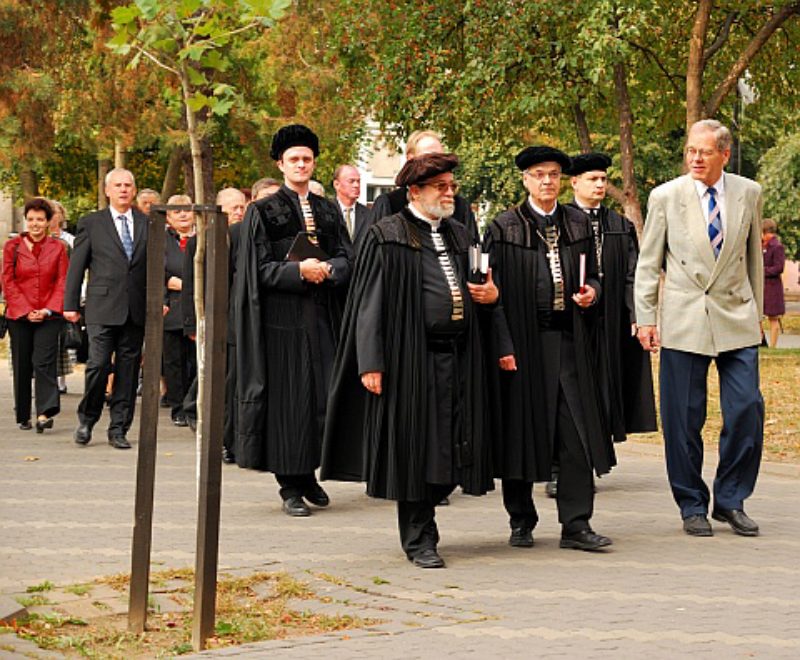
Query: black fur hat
(294, 135)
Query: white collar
(541, 211)
(115, 214)
(417, 213)
(702, 188)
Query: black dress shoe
(296, 507)
(739, 521)
(25, 426)
(227, 456)
(551, 488)
(83, 434)
(427, 558)
(119, 442)
(42, 424)
(192, 422)
(180, 420)
(697, 525)
(317, 496)
(586, 539)
(445, 502)
(521, 537)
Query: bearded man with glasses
(407, 412)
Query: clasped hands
(315, 271)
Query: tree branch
(751, 50)
(671, 77)
(722, 37)
(155, 60)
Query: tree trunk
(29, 180)
(630, 203)
(103, 168)
(694, 68)
(170, 184)
(120, 154)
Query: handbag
(72, 335)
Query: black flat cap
(592, 162)
(294, 135)
(534, 155)
(422, 168)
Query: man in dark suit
(347, 184)
(111, 244)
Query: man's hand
(486, 293)
(164, 310)
(314, 270)
(508, 363)
(648, 338)
(72, 317)
(372, 381)
(586, 298)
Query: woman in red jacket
(34, 272)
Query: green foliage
(779, 174)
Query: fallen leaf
(30, 459)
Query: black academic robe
(396, 200)
(286, 333)
(624, 368)
(386, 440)
(524, 419)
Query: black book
(303, 248)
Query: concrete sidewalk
(66, 515)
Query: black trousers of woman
(179, 368)
(34, 354)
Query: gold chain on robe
(308, 219)
(447, 268)
(550, 239)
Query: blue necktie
(127, 241)
(714, 222)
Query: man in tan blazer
(703, 229)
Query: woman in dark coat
(179, 352)
(34, 273)
(774, 260)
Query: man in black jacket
(111, 245)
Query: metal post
(148, 425)
(211, 429)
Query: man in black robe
(420, 143)
(294, 259)
(623, 366)
(546, 388)
(407, 410)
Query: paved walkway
(66, 515)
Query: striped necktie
(125, 236)
(714, 222)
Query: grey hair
(119, 170)
(721, 133)
(145, 192)
(228, 193)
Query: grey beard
(438, 211)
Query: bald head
(233, 202)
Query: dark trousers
(229, 430)
(179, 367)
(295, 485)
(124, 343)
(575, 495)
(683, 381)
(34, 353)
(417, 520)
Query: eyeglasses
(692, 153)
(443, 186)
(538, 175)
